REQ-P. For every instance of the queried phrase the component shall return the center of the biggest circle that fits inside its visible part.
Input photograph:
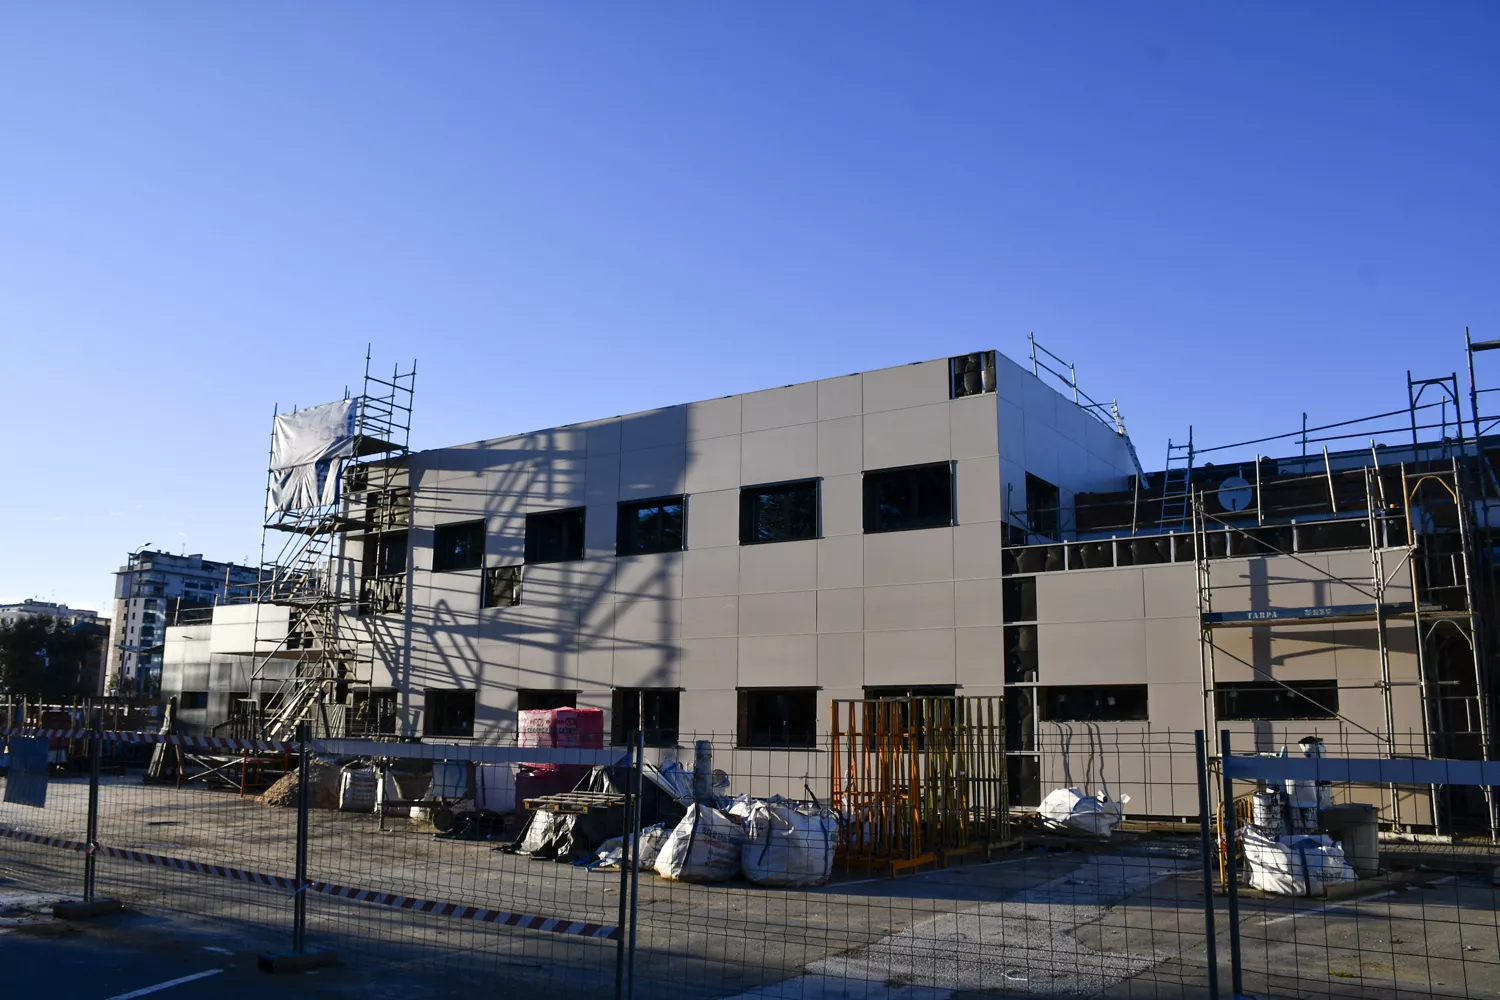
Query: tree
(45, 657)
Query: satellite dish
(1235, 493)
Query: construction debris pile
(322, 790)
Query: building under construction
(964, 525)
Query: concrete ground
(1124, 921)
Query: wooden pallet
(575, 803)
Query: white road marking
(1342, 903)
(166, 985)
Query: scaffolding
(1414, 488)
(305, 568)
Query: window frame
(1317, 695)
(540, 696)
(623, 520)
(531, 543)
(659, 736)
(786, 486)
(491, 586)
(745, 736)
(428, 729)
(1039, 518)
(1049, 714)
(373, 566)
(475, 559)
(870, 504)
(200, 701)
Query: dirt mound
(322, 791)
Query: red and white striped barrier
(521, 921)
(202, 742)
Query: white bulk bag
(357, 790)
(705, 847)
(1300, 865)
(788, 846)
(1069, 809)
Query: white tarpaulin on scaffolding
(305, 450)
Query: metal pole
(299, 905)
(1232, 889)
(1032, 337)
(1205, 830)
(625, 858)
(635, 869)
(90, 856)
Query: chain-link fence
(869, 862)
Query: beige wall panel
(778, 660)
(778, 567)
(710, 572)
(792, 404)
(706, 714)
(653, 428)
(1171, 591)
(1090, 596)
(647, 665)
(778, 614)
(920, 556)
(842, 510)
(979, 660)
(976, 550)
(977, 484)
(917, 605)
(653, 472)
(907, 385)
(783, 453)
(601, 437)
(713, 418)
(841, 663)
(841, 561)
(1172, 654)
(973, 430)
(657, 576)
(709, 664)
(840, 397)
(713, 464)
(977, 602)
(713, 519)
(914, 656)
(841, 447)
(1104, 652)
(841, 610)
(704, 617)
(912, 436)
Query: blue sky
(1223, 214)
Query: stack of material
(563, 727)
(322, 792)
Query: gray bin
(1355, 826)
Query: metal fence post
(621, 943)
(635, 868)
(1205, 829)
(299, 904)
(90, 854)
(1230, 868)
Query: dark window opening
(904, 715)
(1264, 701)
(556, 536)
(972, 374)
(1025, 779)
(1018, 599)
(449, 713)
(651, 710)
(385, 555)
(544, 701)
(1042, 502)
(1020, 654)
(784, 512)
(919, 496)
(646, 526)
(240, 705)
(1095, 703)
(193, 699)
(502, 587)
(457, 546)
(786, 717)
(1020, 719)
(373, 713)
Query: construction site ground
(1112, 920)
